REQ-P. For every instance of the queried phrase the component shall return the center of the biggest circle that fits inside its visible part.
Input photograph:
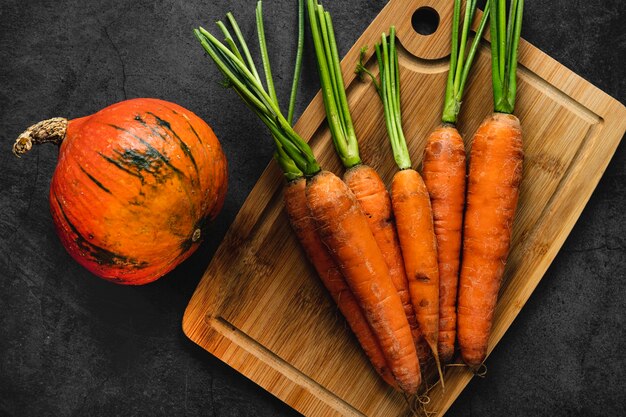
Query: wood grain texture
(260, 307)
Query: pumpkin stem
(51, 130)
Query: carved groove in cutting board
(557, 95)
(241, 339)
(425, 66)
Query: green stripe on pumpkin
(121, 166)
(101, 255)
(95, 181)
(151, 151)
(165, 124)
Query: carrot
(372, 195)
(494, 177)
(410, 202)
(343, 227)
(388, 328)
(330, 275)
(411, 206)
(444, 174)
(305, 229)
(495, 174)
(363, 180)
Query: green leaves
(235, 62)
(389, 91)
(333, 90)
(504, 46)
(460, 64)
(505, 38)
(298, 67)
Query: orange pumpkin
(134, 186)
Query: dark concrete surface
(74, 345)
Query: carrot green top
(333, 90)
(504, 46)
(460, 64)
(389, 91)
(292, 153)
(389, 86)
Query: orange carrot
(372, 195)
(410, 202)
(495, 174)
(444, 174)
(328, 271)
(362, 180)
(344, 229)
(411, 207)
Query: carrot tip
(481, 371)
(417, 405)
(436, 355)
(422, 401)
(433, 349)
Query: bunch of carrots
(391, 260)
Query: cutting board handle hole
(425, 20)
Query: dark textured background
(72, 344)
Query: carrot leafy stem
(235, 62)
(389, 91)
(361, 70)
(331, 80)
(505, 38)
(298, 67)
(264, 54)
(460, 63)
(387, 57)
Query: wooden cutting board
(260, 306)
